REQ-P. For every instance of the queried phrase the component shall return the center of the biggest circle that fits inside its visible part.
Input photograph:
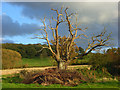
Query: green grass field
(83, 85)
(40, 62)
(37, 62)
(14, 82)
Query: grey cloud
(34, 9)
(90, 12)
(10, 28)
(92, 15)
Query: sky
(22, 20)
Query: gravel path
(12, 71)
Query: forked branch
(97, 41)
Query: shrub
(52, 61)
(10, 59)
(98, 60)
(108, 60)
(80, 62)
(113, 65)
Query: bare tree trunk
(61, 65)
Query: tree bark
(61, 65)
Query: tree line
(33, 50)
(29, 50)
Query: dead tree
(62, 16)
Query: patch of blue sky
(25, 39)
(15, 13)
(104, 49)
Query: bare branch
(53, 30)
(79, 36)
(46, 38)
(69, 24)
(54, 19)
(42, 48)
(92, 49)
(97, 41)
(55, 10)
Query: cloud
(10, 28)
(88, 12)
(34, 9)
(3, 40)
(7, 41)
(0, 39)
